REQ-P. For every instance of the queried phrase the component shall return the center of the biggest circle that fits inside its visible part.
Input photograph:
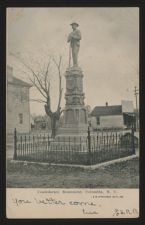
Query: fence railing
(88, 150)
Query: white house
(113, 117)
(17, 100)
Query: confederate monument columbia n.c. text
(75, 113)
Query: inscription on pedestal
(75, 114)
(74, 87)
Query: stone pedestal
(75, 114)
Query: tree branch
(58, 65)
(38, 88)
(42, 84)
(34, 76)
(46, 76)
(38, 100)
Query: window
(21, 118)
(23, 95)
(98, 120)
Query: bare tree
(41, 81)
(55, 116)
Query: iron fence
(88, 150)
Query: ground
(120, 175)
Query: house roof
(107, 110)
(19, 82)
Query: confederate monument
(75, 113)
(74, 40)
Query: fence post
(15, 145)
(132, 139)
(89, 146)
(48, 140)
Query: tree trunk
(53, 127)
(54, 116)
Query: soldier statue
(74, 40)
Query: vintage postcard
(72, 112)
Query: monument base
(75, 113)
(72, 143)
(73, 132)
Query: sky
(108, 55)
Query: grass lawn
(121, 175)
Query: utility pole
(136, 92)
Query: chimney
(106, 103)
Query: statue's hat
(74, 23)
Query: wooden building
(113, 117)
(17, 103)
